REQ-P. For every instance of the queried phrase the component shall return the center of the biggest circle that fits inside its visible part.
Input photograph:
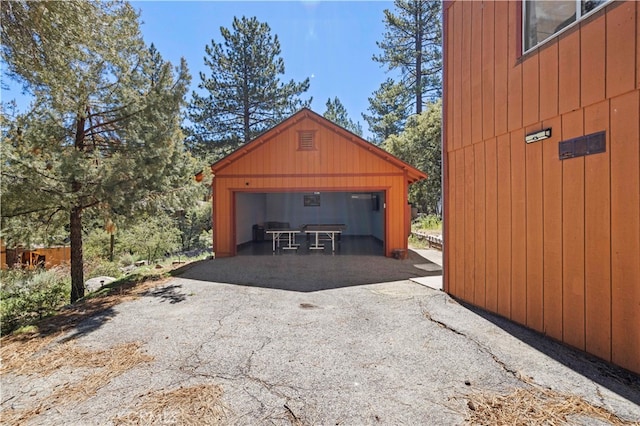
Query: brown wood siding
(492, 226)
(573, 237)
(552, 233)
(514, 73)
(548, 66)
(621, 49)
(468, 236)
(488, 72)
(592, 60)
(518, 229)
(552, 244)
(598, 237)
(501, 66)
(625, 230)
(479, 209)
(476, 64)
(504, 227)
(534, 230)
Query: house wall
(53, 256)
(552, 244)
(338, 164)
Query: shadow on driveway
(308, 273)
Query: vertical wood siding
(551, 244)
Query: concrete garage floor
(345, 245)
(317, 344)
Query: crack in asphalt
(483, 348)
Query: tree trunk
(77, 274)
(419, 30)
(112, 243)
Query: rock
(96, 283)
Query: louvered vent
(306, 140)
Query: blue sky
(330, 42)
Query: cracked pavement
(389, 353)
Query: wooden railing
(434, 241)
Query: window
(542, 19)
(306, 140)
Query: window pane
(589, 5)
(544, 18)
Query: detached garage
(309, 171)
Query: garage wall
(250, 210)
(335, 207)
(377, 218)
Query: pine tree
(243, 96)
(420, 145)
(103, 133)
(412, 44)
(337, 113)
(389, 107)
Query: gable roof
(413, 174)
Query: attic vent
(306, 140)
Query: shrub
(431, 222)
(26, 296)
(126, 259)
(98, 267)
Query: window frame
(579, 17)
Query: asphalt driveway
(349, 354)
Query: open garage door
(362, 213)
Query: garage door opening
(351, 223)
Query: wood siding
(552, 244)
(340, 161)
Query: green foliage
(96, 244)
(126, 259)
(192, 223)
(103, 135)
(417, 242)
(26, 296)
(243, 96)
(429, 222)
(420, 146)
(337, 113)
(191, 228)
(151, 238)
(412, 45)
(101, 267)
(389, 107)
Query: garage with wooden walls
(542, 167)
(308, 170)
